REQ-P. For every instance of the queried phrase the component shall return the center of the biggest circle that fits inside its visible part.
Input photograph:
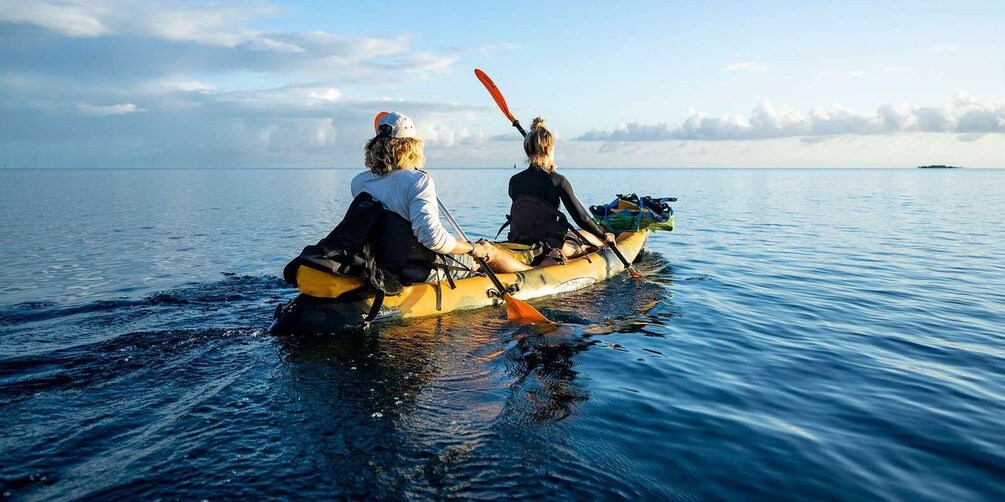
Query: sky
(110, 83)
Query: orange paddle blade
(496, 94)
(522, 313)
(376, 120)
(635, 273)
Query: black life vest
(369, 242)
(533, 220)
(375, 244)
(397, 250)
(372, 243)
(347, 249)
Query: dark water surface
(807, 334)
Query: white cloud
(439, 135)
(71, 19)
(941, 49)
(207, 25)
(223, 25)
(175, 83)
(745, 66)
(894, 68)
(488, 49)
(186, 53)
(297, 136)
(963, 115)
(427, 61)
(179, 38)
(341, 50)
(102, 111)
(213, 24)
(265, 43)
(329, 94)
(841, 74)
(904, 150)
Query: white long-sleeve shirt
(411, 194)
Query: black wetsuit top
(552, 188)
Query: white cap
(401, 125)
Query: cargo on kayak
(631, 213)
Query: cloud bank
(964, 115)
(119, 83)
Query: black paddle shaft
(620, 256)
(516, 123)
(614, 247)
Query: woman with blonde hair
(413, 243)
(536, 192)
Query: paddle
(499, 99)
(517, 310)
(631, 268)
(501, 102)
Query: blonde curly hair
(539, 145)
(384, 154)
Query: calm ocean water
(806, 334)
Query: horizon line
(466, 167)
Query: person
(412, 242)
(535, 217)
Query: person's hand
(609, 239)
(480, 249)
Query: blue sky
(648, 84)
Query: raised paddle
(518, 311)
(501, 101)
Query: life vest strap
(378, 300)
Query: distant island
(940, 166)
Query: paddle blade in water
(635, 273)
(521, 312)
(631, 270)
(495, 92)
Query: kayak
(329, 302)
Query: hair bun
(537, 124)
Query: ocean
(805, 334)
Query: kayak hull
(324, 306)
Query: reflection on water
(546, 387)
(428, 400)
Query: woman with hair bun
(536, 193)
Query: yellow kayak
(330, 302)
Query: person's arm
(575, 208)
(425, 219)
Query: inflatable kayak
(329, 302)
